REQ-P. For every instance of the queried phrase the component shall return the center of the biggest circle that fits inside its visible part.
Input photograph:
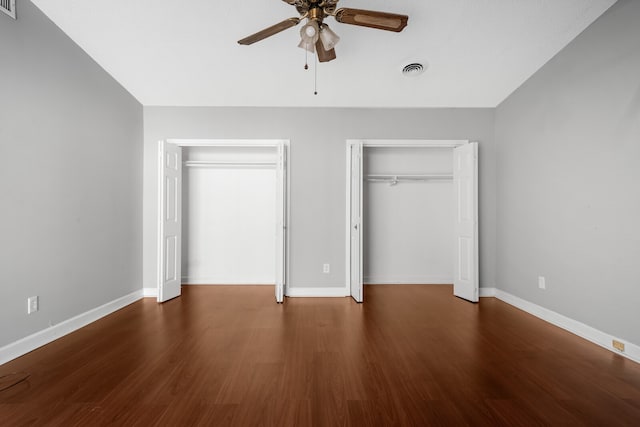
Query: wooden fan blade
(268, 32)
(323, 54)
(372, 19)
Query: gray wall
(568, 179)
(71, 184)
(318, 167)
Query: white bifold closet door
(281, 223)
(465, 187)
(356, 279)
(170, 198)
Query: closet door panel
(465, 183)
(281, 224)
(170, 228)
(356, 179)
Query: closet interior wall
(408, 221)
(229, 215)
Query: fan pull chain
(315, 77)
(315, 71)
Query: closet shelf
(205, 163)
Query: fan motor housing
(316, 13)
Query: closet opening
(412, 215)
(408, 212)
(228, 215)
(223, 214)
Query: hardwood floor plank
(410, 355)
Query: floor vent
(8, 7)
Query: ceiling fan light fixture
(315, 34)
(310, 32)
(309, 47)
(328, 38)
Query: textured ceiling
(186, 53)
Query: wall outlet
(618, 345)
(542, 283)
(326, 268)
(32, 304)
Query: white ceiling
(186, 53)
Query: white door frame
(383, 143)
(282, 146)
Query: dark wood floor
(411, 355)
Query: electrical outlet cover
(618, 345)
(32, 305)
(542, 284)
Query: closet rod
(393, 179)
(196, 163)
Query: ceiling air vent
(413, 69)
(8, 7)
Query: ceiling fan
(316, 37)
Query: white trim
(150, 292)
(228, 142)
(427, 143)
(347, 251)
(487, 292)
(332, 292)
(587, 332)
(52, 333)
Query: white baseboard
(587, 332)
(150, 292)
(317, 292)
(52, 333)
(487, 292)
